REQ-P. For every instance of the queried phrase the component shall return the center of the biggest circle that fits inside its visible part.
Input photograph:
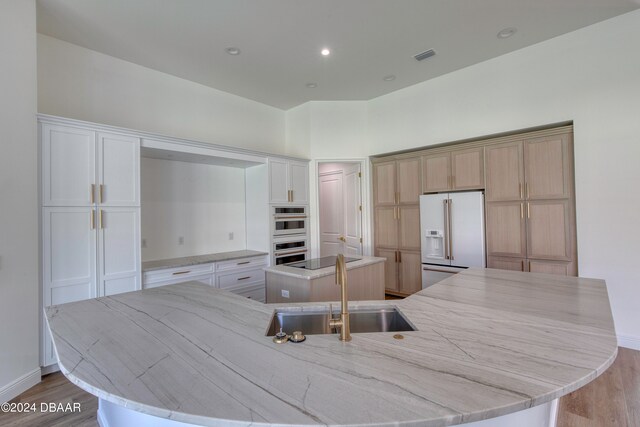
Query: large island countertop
(489, 342)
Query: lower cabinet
(563, 268)
(402, 269)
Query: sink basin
(387, 319)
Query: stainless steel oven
(288, 220)
(290, 249)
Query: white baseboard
(19, 385)
(46, 370)
(629, 341)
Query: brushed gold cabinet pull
(101, 193)
(453, 181)
(93, 194)
(520, 190)
(396, 254)
(93, 219)
(291, 195)
(529, 266)
(522, 266)
(529, 210)
(399, 256)
(100, 219)
(399, 212)
(521, 210)
(526, 184)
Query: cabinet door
(118, 250)
(68, 166)
(552, 267)
(69, 254)
(547, 167)
(299, 182)
(390, 268)
(410, 266)
(409, 227)
(504, 172)
(118, 170)
(409, 180)
(278, 181)
(467, 168)
(386, 227)
(436, 173)
(506, 229)
(384, 183)
(549, 230)
(513, 264)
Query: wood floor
(612, 400)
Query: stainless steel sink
(387, 319)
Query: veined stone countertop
(198, 259)
(489, 342)
(302, 273)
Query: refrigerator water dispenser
(434, 244)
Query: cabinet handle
(520, 190)
(453, 181)
(399, 256)
(399, 212)
(529, 266)
(181, 272)
(100, 219)
(395, 253)
(522, 265)
(93, 219)
(528, 210)
(521, 210)
(244, 278)
(291, 195)
(93, 194)
(101, 193)
(242, 263)
(526, 184)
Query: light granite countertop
(489, 342)
(302, 273)
(198, 259)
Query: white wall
(202, 203)
(83, 84)
(19, 295)
(590, 76)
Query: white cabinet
(81, 167)
(288, 182)
(170, 276)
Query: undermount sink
(387, 319)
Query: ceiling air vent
(424, 55)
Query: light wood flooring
(612, 400)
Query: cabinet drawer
(206, 279)
(254, 292)
(240, 278)
(242, 263)
(177, 273)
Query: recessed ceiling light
(506, 33)
(325, 52)
(232, 51)
(312, 85)
(389, 78)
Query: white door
(69, 254)
(118, 250)
(331, 214)
(352, 211)
(68, 166)
(118, 170)
(278, 181)
(299, 182)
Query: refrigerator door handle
(450, 234)
(446, 228)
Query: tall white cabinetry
(288, 182)
(90, 215)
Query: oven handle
(280, 217)
(290, 253)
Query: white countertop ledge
(489, 343)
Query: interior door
(332, 214)
(352, 210)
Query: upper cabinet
(533, 169)
(453, 170)
(288, 182)
(397, 182)
(81, 167)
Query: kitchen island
(287, 283)
(489, 343)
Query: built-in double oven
(290, 238)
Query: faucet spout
(343, 321)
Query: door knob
(342, 239)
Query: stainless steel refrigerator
(452, 234)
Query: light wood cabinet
(410, 272)
(547, 166)
(548, 230)
(408, 176)
(409, 227)
(386, 226)
(288, 182)
(504, 169)
(390, 268)
(397, 182)
(453, 170)
(506, 263)
(532, 265)
(506, 229)
(384, 183)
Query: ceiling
(280, 40)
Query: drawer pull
(244, 278)
(181, 272)
(244, 262)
